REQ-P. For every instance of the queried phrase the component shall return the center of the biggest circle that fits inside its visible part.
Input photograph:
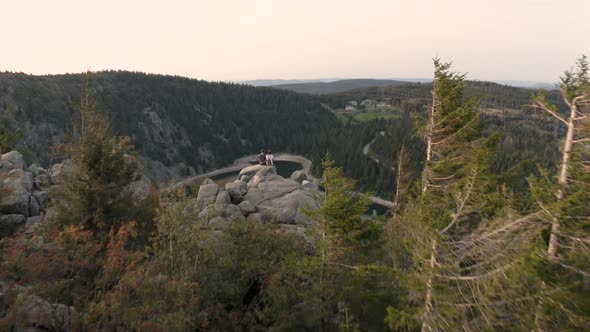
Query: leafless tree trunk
(572, 124)
(403, 181)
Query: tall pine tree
(93, 192)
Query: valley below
(140, 206)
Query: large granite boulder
(280, 199)
(58, 171)
(212, 213)
(140, 189)
(251, 170)
(311, 186)
(298, 176)
(245, 178)
(207, 192)
(269, 187)
(223, 198)
(42, 198)
(40, 315)
(290, 208)
(17, 185)
(33, 169)
(246, 207)
(9, 223)
(14, 158)
(237, 190)
(34, 206)
(5, 166)
(267, 197)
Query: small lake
(284, 169)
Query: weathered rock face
(298, 176)
(140, 189)
(279, 199)
(9, 223)
(23, 192)
(58, 171)
(14, 158)
(266, 186)
(36, 314)
(247, 208)
(237, 190)
(34, 207)
(311, 186)
(18, 186)
(222, 198)
(251, 170)
(291, 207)
(207, 192)
(261, 195)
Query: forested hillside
(526, 138)
(179, 125)
(461, 249)
(336, 86)
(177, 121)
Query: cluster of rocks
(260, 195)
(36, 314)
(24, 192)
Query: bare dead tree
(575, 91)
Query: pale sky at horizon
(226, 40)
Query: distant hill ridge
(331, 85)
(336, 86)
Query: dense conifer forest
(488, 231)
(185, 123)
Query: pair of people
(266, 159)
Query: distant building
(350, 108)
(352, 103)
(366, 102)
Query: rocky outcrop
(237, 190)
(140, 189)
(58, 171)
(17, 187)
(9, 223)
(13, 159)
(260, 195)
(215, 206)
(247, 208)
(24, 193)
(34, 313)
(207, 193)
(252, 170)
(298, 176)
(25, 189)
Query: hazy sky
(250, 39)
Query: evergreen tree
(563, 269)
(340, 284)
(99, 167)
(440, 235)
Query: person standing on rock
(269, 158)
(262, 158)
